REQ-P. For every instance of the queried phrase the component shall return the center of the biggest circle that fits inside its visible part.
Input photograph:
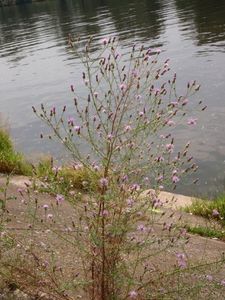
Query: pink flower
(133, 294)
(192, 121)
(56, 169)
(175, 179)
(77, 129)
(166, 65)
(123, 87)
(127, 128)
(222, 282)
(135, 187)
(45, 206)
(169, 148)
(130, 202)
(209, 277)
(173, 103)
(96, 168)
(157, 203)
(141, 227)
(134, 73)
(95, 94)
(159, 159)
(158, 51)
(174, 172)
(59, 198)
(181, 260)
(53, 110)
(19, 190)
(105, 213)
(170, 123)
(71, 121)
(124, 178)
(185, 101)
(148, 51)
(50, 216)
(156, 91)
(110, 136)
(160, 178)
(103, 182)
(77, 166)
(104, 41)
(215, 213)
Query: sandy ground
(198, 249)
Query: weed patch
(10, 160)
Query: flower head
(192, 121)
(127, 128)
(59, 198)
(133, 294)
(104, 41)
(215, 213)
(19, 190)
(103, 182)
(169, 148)
(123, 87)
(70, 121)
(209, 277)
(185, 102)
(135, 187)
(170, 123)
(181, 260)
(222, 282)
(175, 179)
(130, 202)
(105, 213)
(56, 169)
(141, 227)
(109, 136)
(77, 129)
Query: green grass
(205, 208)
(11, 162)
(207, 232)
(66, 179)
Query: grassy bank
(214, 209)
(10, 160)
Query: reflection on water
(207, 18)
(36, 66)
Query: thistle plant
(122, 132)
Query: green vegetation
(10, 160)
(207, 232)
(65, 179)
(209, 209)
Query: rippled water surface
(36, 66)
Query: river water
(36, 66)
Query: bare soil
(198, 249)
